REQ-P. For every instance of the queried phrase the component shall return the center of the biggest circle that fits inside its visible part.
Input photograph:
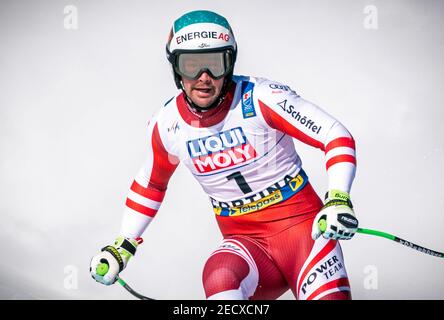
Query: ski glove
(336, 220)
(106, 266)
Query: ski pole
(102, 269)
(323, 226)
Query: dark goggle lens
(192, 65)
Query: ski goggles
(192, 65)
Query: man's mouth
(203, 90)
(204, 93)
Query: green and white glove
(336, 220)
(106, 266)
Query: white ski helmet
(203, 32)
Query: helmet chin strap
(216, 102)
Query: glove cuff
(337, 197)
(122, 250)
(113, 251)
(128, 246)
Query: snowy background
(74, 107)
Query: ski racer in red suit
(235, 134)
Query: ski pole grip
(322, 224)
(102, 269)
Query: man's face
(203, 91)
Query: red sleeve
(311, 125)
(149, 187)
(275, 121)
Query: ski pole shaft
(103, 268)
(401, 241)
(131, 290)
(323, 226)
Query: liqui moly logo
(222, 150)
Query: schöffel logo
(221, 150)
(308, 123)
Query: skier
(235, 134)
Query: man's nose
(205, 77)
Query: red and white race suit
(242, 154)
